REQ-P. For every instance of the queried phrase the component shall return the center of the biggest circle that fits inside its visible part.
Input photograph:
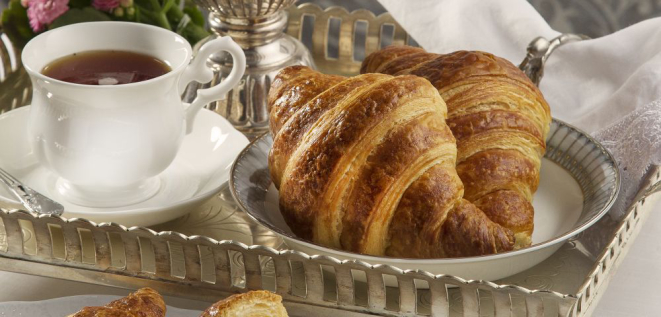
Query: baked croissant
(144, 302)
(251, 304)
(499, 118)
(367, 164)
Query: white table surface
(633, 290)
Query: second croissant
(500, 120)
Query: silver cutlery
(32, 200)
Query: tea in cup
(106, 114)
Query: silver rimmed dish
(579, 182)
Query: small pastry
(251, 304)
(144, 302)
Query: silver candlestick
(258, 27)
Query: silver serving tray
(199, 264)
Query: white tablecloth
(632, 291)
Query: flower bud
(130, 11)
(105, 5)
(118, 12)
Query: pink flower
(105, 5)
(43, 12)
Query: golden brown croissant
(367, 164)
(499, 118)
(251, 304)
(144, 302)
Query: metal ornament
(258, 27)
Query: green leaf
(194, 13)
(72, 16)
(150, 12)
(16, 25)
(79, 4)
(167, 4)
(174, 15)
(193, 33)
(144, 15)
(144, 4)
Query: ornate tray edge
(203, 240)
(628, 229)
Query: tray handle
(538, 52)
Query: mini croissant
(367, 164)
(144, 302)
(251, 304)
(499, 118)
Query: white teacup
(108, 143)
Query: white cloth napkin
(610, 86)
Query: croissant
(367, 164)
(144, 302)
(499, 118)
(251, 304)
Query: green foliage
(194, 13)
(167, 14)
(163, 13)
(79, 4)
(72, 16)
(16, 25)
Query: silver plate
(577, 153)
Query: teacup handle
(198, 71)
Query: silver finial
(258, 27)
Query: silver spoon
(31, 199)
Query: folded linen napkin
(610, 86)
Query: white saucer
(201, 167)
